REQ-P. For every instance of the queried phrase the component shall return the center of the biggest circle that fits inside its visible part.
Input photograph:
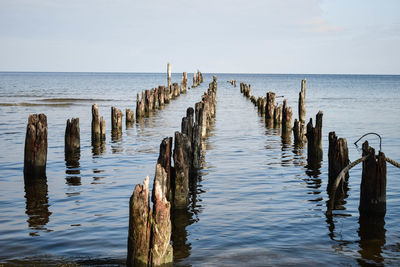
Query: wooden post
(139, 226)
(169, 74)
(302, 102)
(299, 133)
(314, 145)
(72, 136)
(161, 253)
(286, 118)
(161, 95)
(278, 116)
(96, 131)
(176, 90)
(167, 95)
(130, 116)
(35, 157)
(139, 107)
(184, 82)
(270, 106)
(156, 100)
(102, 129)
(116, 119)
(164, 159)
(197, 133)
(373, 183)
(181, 164)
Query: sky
(228, 36)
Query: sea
(256, 202)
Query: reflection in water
(116, 142)
(37, 206)
(98, 147)
(73, 170)
(372, 239)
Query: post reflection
(372, 235)
(73, 170)
(116, 142)
(37, 205)
(98, 147)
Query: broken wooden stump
(149, 101)
(278, 116)
(130, 116)
(139, 226)
(98, 125)
(286, 119)
(116, 119)
(373, 183)
(161, 95)
(299, 133)
(182, 153)
(184, 82)
(314, 142)
(140, 106)
(167, 94)
(338, 159)
(197, 135)
(72, 136)
(35, 156)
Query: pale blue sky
(262, 36)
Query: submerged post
(373, 183)
(72, 136)
(35, 156)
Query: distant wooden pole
(184, 82)
(176, 90)
(35, 156)
(302, 102)
(314, 144)
(72, 136)
(373, 183)
(169, 74)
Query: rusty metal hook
(380, 140)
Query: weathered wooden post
(176, 90)
(181, 164)
(169, 74)
(286, 119)
(184, 82)
(72, 136)
(373, 183)
(130, 116)
(314, 144)
(96, 129)
(338, 159)
(156, 98)
(116, 119)
(161, 95)
(197, 133)
(164, 159)
(139, 226)
(167, 95)
(161, 253)
(302, 102)
(278, 116)
(35, 156)
(140, 109)
(299, 133)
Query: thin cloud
(321, 26)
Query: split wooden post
(140, 106)
(314, 144)
(130, 116)
(161, 252)
(72, 136)
(182, 153)
(35, 157)
(373, 183)
(97, 127)
(278, 116)
(164, 159)
(116, 119)
(139, 226)
(338, 159)
(169, 74)
(299, 129)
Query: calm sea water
(255, 202)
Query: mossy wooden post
(161, 252)
(314, 144)
(278, 116)
(338, 159)
(116, 119)
(139, 226)
(72, 136)
(164, 159)
(169, 74)
(286, 119)
(373, 183)
(181, 166)
(35, 156)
